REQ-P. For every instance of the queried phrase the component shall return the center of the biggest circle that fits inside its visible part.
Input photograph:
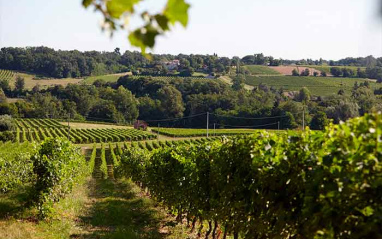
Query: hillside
(260, 70)
(319, 86)
(326, 68)
(32, 80)
(106, 78)
(287, 70)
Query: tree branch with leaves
(116, 13)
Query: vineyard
(14, 165)
(6, 75)
(267, 185)
(321, 86)
(179, 132)
(260, 70)
(312, 184)
(327, 68)
(41, 129)
(109, 155)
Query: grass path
(118, 209)
(99, 209)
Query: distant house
(140, 124)
(172, 65)
(290, 94)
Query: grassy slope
(326, 68)
(17, 221)
(260, 70)
(33, 79)
(317, 85)
(107, 78)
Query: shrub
(58, 166)
(7, 123)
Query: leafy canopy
(114, 11)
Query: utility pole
(158, 132)
(278, 125)
(303, 119)
(208, 116)
(69, 126)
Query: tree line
(154, 99)
(71, 64)
(47, 62)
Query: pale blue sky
(292, 29)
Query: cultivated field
(326, 68)
(319, 86)
(6, 75)
(260, 70)
(32, 79)
(89, 125)
(40, 129)
(287, 70)
(106, 78)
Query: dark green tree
(19, 84)
(319, 121)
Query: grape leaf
(177, 11)
(86, 3)
(117, 7)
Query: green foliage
(238, 82)
(154, 25)
(319, 121)
(16, 168)
(58, 165)
(103, 166)
(304, 95)
(7, 123)
(307, 184)
(260, 70)
(19, 84)
(318, 86)
(93, 158)
(113, 156)
(52, 128)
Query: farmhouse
(172, 65)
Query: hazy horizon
(294, 29)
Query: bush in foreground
(58, 166)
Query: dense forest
(65, 64)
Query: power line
(174, 119)
(248, 126)
(260, 118)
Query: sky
(288, 29)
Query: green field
(326, 68)
(260, 70)
(179, 132)
(320, 86)
(32, 79)
(106, 78)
